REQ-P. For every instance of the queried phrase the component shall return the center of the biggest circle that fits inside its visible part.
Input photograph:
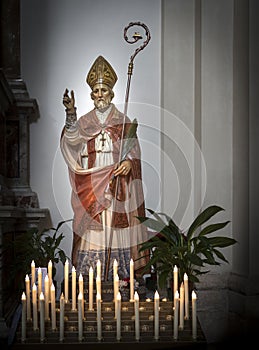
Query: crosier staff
(136, 37)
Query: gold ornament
(101, 72)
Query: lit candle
(28, 298)
(186, 296)
(73, 288)
(176, 311)
(181, 322)
(42, 318)
(66, 280)
(34, 307)
(80, 316)
(98, 285)
(136, 307)
(99, 317)
(61, 317)
(156, 312)
(175, 279)
(118, 322)
(98, 266)
(23, 317)
(32, 273)
(53, 307)
(81, 290)
(50, 274)
(39, 282)
(46, 292)
(91, 288)
(194, 315)
(131, 280)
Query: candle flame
(136, 296)
(156, 295)
(194, 296)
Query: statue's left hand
(123, 169)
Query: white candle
(28, 297)
(131, 280)
(50, 274)
(181, 322)
(81, 290)
(115, 270)
(118, 321)
(73, 288)
(32, 273)
(176, 311)
(194, 315)
(91, 288)
(66, 280)
(186, 296)
(175, 279)
(99, 317)
(136, 309)
(98, 285)
(80, 316)
(34, 307)
(156, 313)
(61, 317)
(46, 293)
(98, 266)
(39, 282)
(116, 291)
(53, 307)
(23, 317)
(42, 318)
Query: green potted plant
(40, 246)
(190, 251)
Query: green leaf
(220, 255)
(194, 259)
(204, 216)
(130, 139)
(221, 242)
(212, 228)
(153, 224)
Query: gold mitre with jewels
(101, 72)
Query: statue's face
(101, 95)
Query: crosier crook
(136, 37)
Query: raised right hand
(69, 102)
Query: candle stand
(109, 326)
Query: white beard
(102, 105)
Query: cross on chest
(103, 139)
